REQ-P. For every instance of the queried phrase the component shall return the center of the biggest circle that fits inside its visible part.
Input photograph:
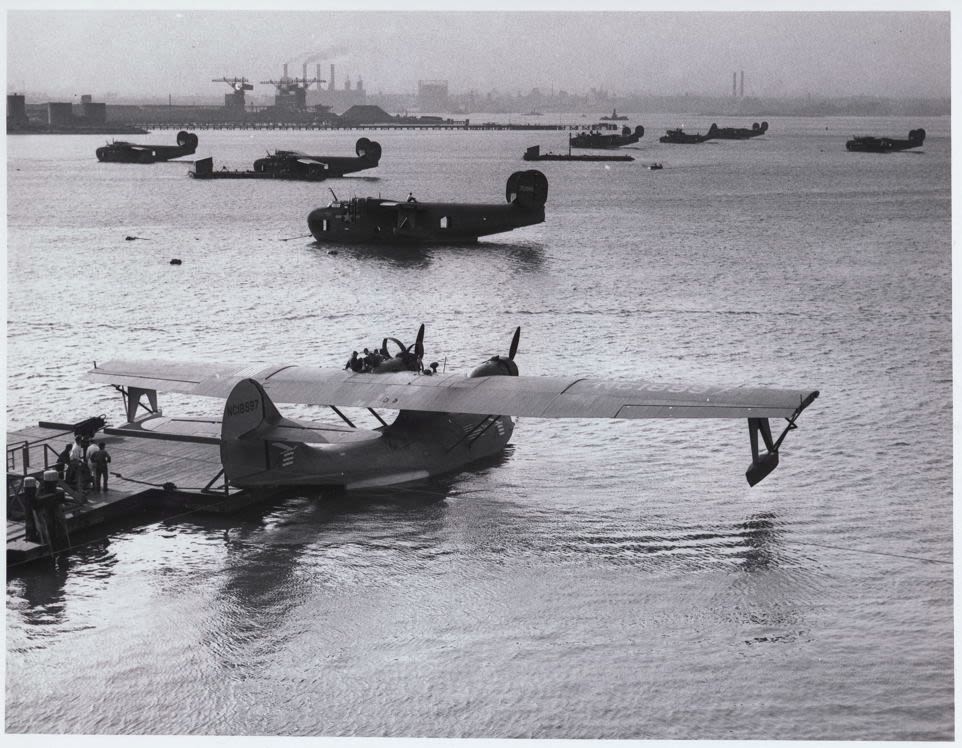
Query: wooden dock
(147, 474)
(408, 126)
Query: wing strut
(133, 400)
(473, 432)
(343, 417)
(764, 464)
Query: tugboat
(680, 136)
(614, 117)
(123, 152)
(737, 133)
(370, 220)
(595, 139)
(873, 144)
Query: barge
(534, 154)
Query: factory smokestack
(305, 71)
(317, 75)
(330, 84)
(734, 88)
(285, 70)
(741, 87)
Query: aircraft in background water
(737, 133)
(294, 165)
(444, 422)
(121, 151)
(872, 144)
(595, 139)
(374, 220)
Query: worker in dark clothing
(352, 363)
(411, 198)
(374, 358)
(28, 497)
(63, 460)
(99, 460)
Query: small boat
(655, 166)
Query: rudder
(249, 416)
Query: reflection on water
(587, 585)
(524, 256)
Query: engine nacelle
(496, 366)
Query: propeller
(501, 365)
(419, 343)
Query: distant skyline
(133, 53)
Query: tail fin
(529, 189)
(368, 149)
(249, 417)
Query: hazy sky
(178, 52)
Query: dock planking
(146, 475)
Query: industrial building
(433, 96)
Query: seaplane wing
(527, 396)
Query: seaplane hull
(374, 220)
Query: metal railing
(24, 450)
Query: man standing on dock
(99, 460)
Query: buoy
(332, 252)
(175, 261)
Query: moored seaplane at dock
(444, 421)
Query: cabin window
(323, 224)
(444, 222)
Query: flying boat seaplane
(444, 421)
(368, 156)
(373, 220)
(294, 165)
(121, 151)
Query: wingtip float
(444, 421)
